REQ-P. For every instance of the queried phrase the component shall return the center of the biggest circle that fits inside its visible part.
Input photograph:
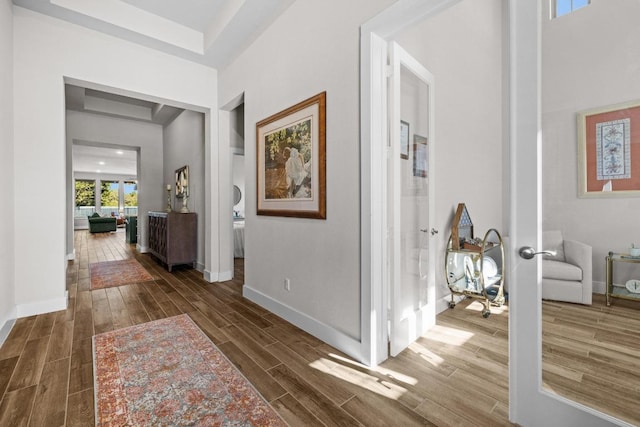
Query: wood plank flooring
(591, 354)
(456, 375)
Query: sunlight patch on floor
(382, 371)
(366, 380)
(447, 335)
(425, 354)
(382, 381)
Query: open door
(529, 404)
(411, 276)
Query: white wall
(312, 47)
(146, 137)
(468, 142)
(590, 59)
(7, 272)
(236, 126)
(184, 145)
(46, 51)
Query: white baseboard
(71, 256)
(326, 333)
(40, 307)
(599, 287)
(443, 303)
(210, 276)
(6, 329)
(223, 276)
(142, 249)
(217, 276)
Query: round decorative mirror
(237, 195)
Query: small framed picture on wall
(404, 140)
(420, 156)
(182, 182)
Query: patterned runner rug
(168, 373)
(117, 273)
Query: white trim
(314, 327)
(443, 303)
(210, 276)
(373, 52)
(44, 306)
(71, 256)
(206, 275)
(199, 266)
(373, 303)
(214, 276)
(142, 249)
(6, 329)
(224, 276)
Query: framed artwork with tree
(291, 161)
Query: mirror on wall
(237, 195)
(590, 61)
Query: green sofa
(98, 224)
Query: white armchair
(567, 276)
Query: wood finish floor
(456, 375)
(591, 354)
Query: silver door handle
(433, 231)
(527, 252)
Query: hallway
(455, 375)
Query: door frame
(374, 37)
(530, 404)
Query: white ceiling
(87, 157)
(109, 104)
(104, 160)
(210, 32)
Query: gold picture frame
(291, 161)
(609, 151)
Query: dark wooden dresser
(173, 237)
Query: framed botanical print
(609, 151)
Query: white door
(410, 188)
(529, 404)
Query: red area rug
(168, 373)
(117, 273)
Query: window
(85, 198)
(563, 7)
(130, 198)
(109, 197)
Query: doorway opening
(130, 145)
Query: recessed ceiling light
(119, 152)
(101, 163)
(98, 170)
